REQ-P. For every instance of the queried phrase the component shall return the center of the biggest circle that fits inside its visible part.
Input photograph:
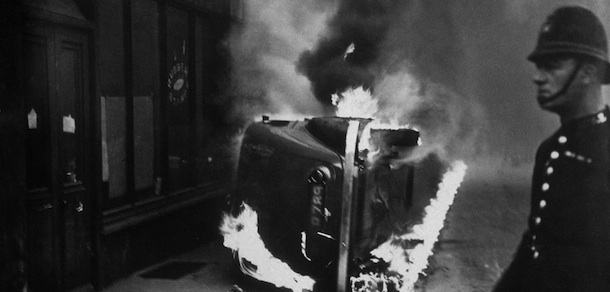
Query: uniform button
(549, 170)
(545, 187)
(542, 204)
(554, 155)
(562, 139)
(537, 220)
(536, 254)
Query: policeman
(567, 244)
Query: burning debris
(404, 257)
(241, 236)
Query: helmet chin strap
(567, 84)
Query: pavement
(481, 232)
(208, 268)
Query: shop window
(113, 110)
(179, 101)
(144, 143)
(129, 112)
(145, 60)
(113, 100)
(158, 64)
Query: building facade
(114, 154)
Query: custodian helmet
(573, 30)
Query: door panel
(75, 252)
(41, 251)
(41, 218)
(55, 86)
(69, 95)
(73, 173)
(36, 92)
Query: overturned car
(291, 173)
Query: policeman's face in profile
(552, 74)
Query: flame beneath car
(241, 236)
(405, 264)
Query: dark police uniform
(567, 244)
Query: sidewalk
(206, 269)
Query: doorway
(55, 74)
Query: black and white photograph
(304, 146)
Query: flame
(349, 50)
(373, 151)
(406, 264)
(241, 235)
(356, 103)
(359, 103)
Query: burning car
(291, 173)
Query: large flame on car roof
(405, 265)
(359, 103)
(241, 236)
(355, 103)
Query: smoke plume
(362, 23)
(455, 69)
(264, 49)
(388, 36)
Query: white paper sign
(69, 124)
(32, 120)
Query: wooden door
(56, 90)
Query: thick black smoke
(456, 69)
(363, 23)
(264, 50)
(404, 52)
(467, 58)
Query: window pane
(145, 44)
(112, 87)
(203, 158)
(145, 47)
(143, 142)
(115, 131)
(111, 78)
(179, 101)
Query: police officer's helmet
(573, 30)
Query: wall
(12, 155)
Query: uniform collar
(597, 118)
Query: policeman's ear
(592, 71)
